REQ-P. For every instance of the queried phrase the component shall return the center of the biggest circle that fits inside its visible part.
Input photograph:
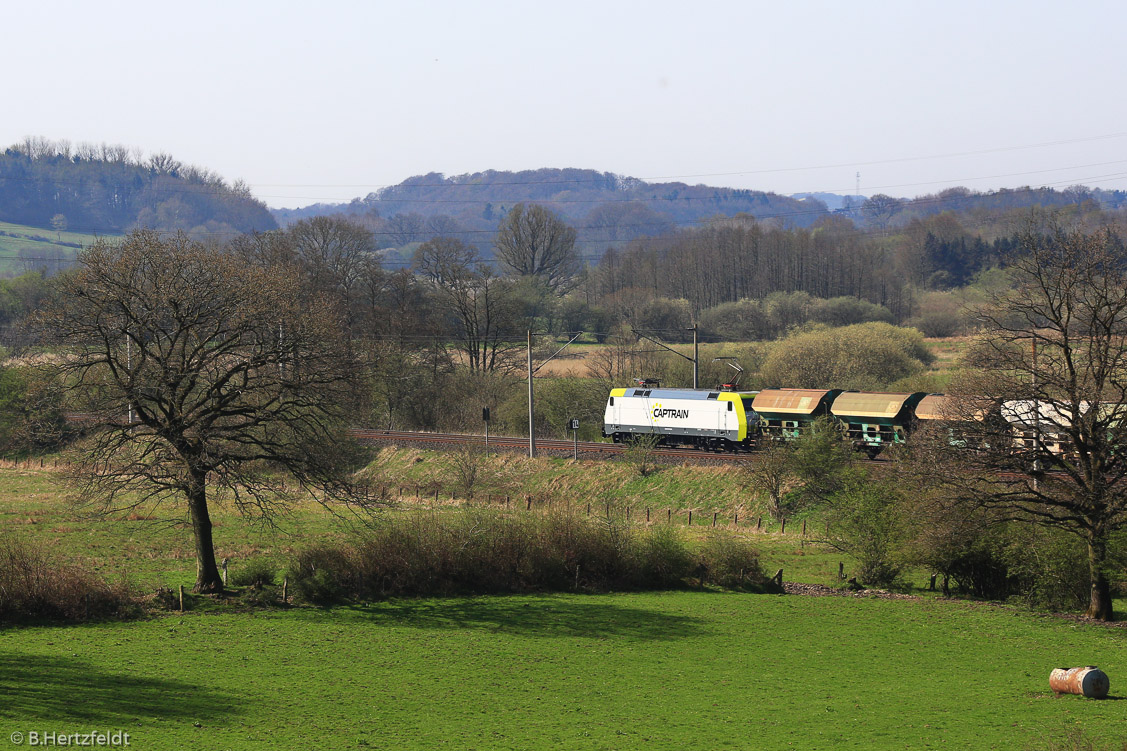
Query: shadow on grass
(66, 689)
(546, 617)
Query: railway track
(546, 446)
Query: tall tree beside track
(1057, 339)
(200, 372)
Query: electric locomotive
(714, 420)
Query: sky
(323, 102)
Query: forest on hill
(603, 207)
(104, 189)
(609, 210)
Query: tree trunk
(207, 572)
(1099, 606)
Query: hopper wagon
(874, 421)
(785, 414)
(970, 422)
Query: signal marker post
(485, 417)
(573, 425)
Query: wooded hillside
(110, 189)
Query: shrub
(866, 522)
(663, 558)
(475, 552)
(863, 356)
(256, 572)
(32, 587)
(846, 311)
(1050, 568)
(731, 562)
(744, 320)
(321, 574)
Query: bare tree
(406, 228)
(1053, 356)
(772, 473)
(485, 306)
(880, 208)
(333, 251)
(533, 241)
(174, 351)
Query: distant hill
(110, 189)
(603, 207)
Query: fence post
(588, 509)
(181, 598)
(647, 514)
(758, 523)
(690, 517)
(803, 527)
(736, 520)
(668, 516)
(714, 518)
(528, 503)
(783, 530)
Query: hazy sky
(325, 101)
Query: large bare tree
(486, 308)
(534, 241)
(1053, 359)
(199, 371)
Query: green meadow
(23, 248)
(686, 669)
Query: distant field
(573, 361)
(24, 248)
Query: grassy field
(668, 671)
(154, 551)
(675, 670)
(19, 242)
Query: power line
(895, 160)
(221, 188)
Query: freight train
(730, 420)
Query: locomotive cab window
(612, 401)
(730, 406)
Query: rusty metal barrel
(1088, 681)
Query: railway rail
(547, 446)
